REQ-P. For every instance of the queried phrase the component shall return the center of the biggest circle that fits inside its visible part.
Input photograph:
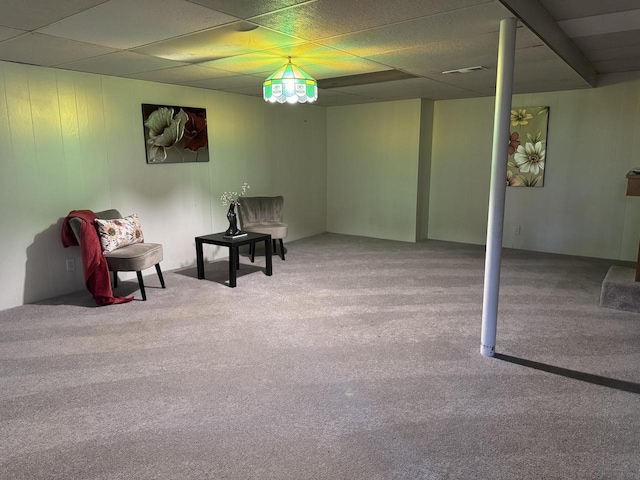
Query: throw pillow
(119, 232)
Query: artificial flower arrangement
(232, 199)
(229, 198)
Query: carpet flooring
(358, 359)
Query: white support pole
(502, 116)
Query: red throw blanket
(96, 270)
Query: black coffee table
(234, 256)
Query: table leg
(199, 260)
(267, 252)
(237, 258)
(233, 254)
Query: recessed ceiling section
(409, 88)
(234, 81)
(233, 39)
(120, 64)
(182, 75)
(345, 67)
(254, 91)
(364, 79)
(332, 98)
(126, 24)
(37, 49)
(545, 72)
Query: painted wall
(372, 169)
(72, 141)
(593, 141)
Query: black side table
(234, 257)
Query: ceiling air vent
(364, 79)
(465, 70)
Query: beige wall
(372, 169)
(593, 141)
(73, 141)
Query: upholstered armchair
(133, 257)
(264, 215)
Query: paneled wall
(593, 141)
(72, 141)
(372, 165)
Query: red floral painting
(175, 134)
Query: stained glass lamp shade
(290, 84)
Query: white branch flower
(233, 197)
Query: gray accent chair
(263, 215)
(130, 258)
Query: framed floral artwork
(175, 134)
(527, 147)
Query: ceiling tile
(120, 63)
(247, 8)
(37, 49)
(602, 24)
(439, 56)
(234, 39)
(423, 31)
(455, 53)
(125, 24)
(342, 67)
(182, 74)
(613, 53)
(562, 10)
(615, 78)
(328, 18)
(33, 14)
(317, 60)
(6, 33)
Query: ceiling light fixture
(290, 84)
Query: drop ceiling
(232, 45)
